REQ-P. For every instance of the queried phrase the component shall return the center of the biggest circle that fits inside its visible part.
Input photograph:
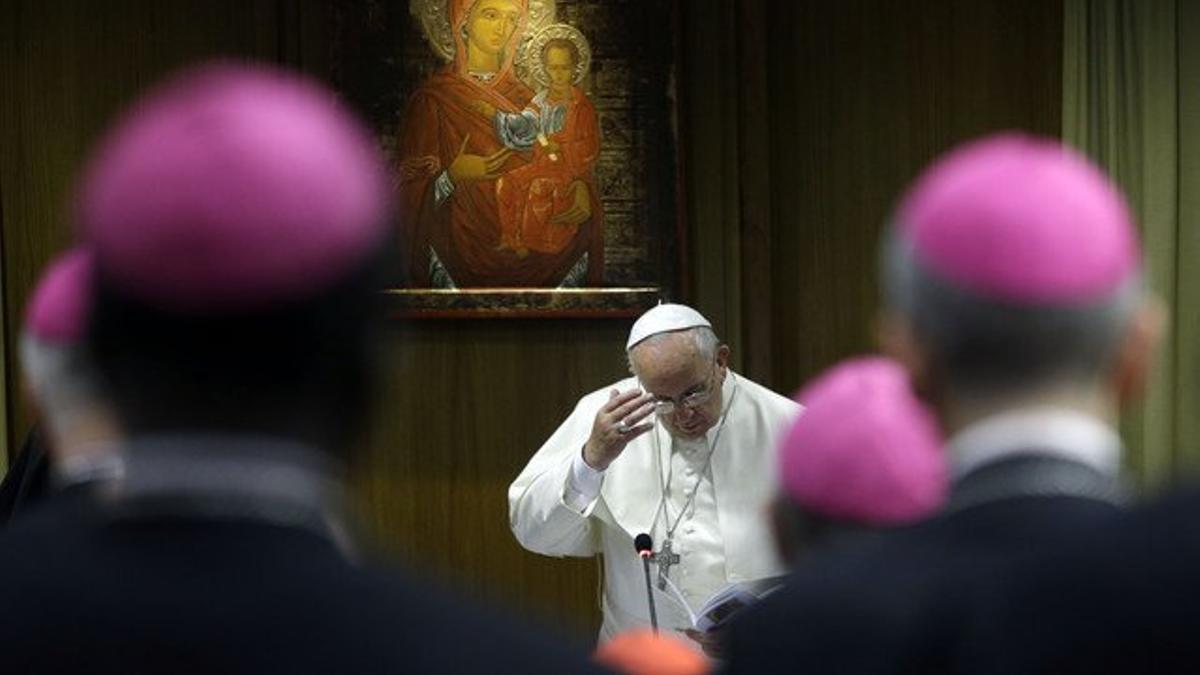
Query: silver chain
(665, 484)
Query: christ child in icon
(538, 202)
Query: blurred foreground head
(865, 454)
(1013, 270)
(238, 219)
(642, 652)
(66, 389)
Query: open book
(730, 600)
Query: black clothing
(100, 584)
(28, 481)
(897, 603)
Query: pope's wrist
(590, 460)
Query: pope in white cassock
(685, 451)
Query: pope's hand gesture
(621, 420)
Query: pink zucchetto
(233, 187)
(52, 353)
(1021, 219)
(58, 309)
(865, 450)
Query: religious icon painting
(532, 148)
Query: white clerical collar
(1056, 432)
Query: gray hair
(985, 346)
(63, 380)
(704, 338)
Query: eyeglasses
(664, 405)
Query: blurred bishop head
(1023, 220)
(237, 216)
(866, 453)
(58, 371)
(1012, 265)
(233, 188)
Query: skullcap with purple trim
(864, 450)
(1021, 219)
(233, 187)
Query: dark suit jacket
(896, 603)
(1124, 598)
(82, 592)
(27, 481)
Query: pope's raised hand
(622, 419)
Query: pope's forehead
(667, 352)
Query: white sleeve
(583, 486)
(539, 513)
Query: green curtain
(1124, 62)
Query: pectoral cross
(664, 559)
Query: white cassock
(559, 506)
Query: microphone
(644, 546)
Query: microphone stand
(644, 550)
(650, 593)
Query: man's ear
(897, 341)
(1135, 355)
(723, 356)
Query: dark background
(800, 121)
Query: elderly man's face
(671, 368)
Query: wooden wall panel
(862, 95)
(709, 144)
(466, 404)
